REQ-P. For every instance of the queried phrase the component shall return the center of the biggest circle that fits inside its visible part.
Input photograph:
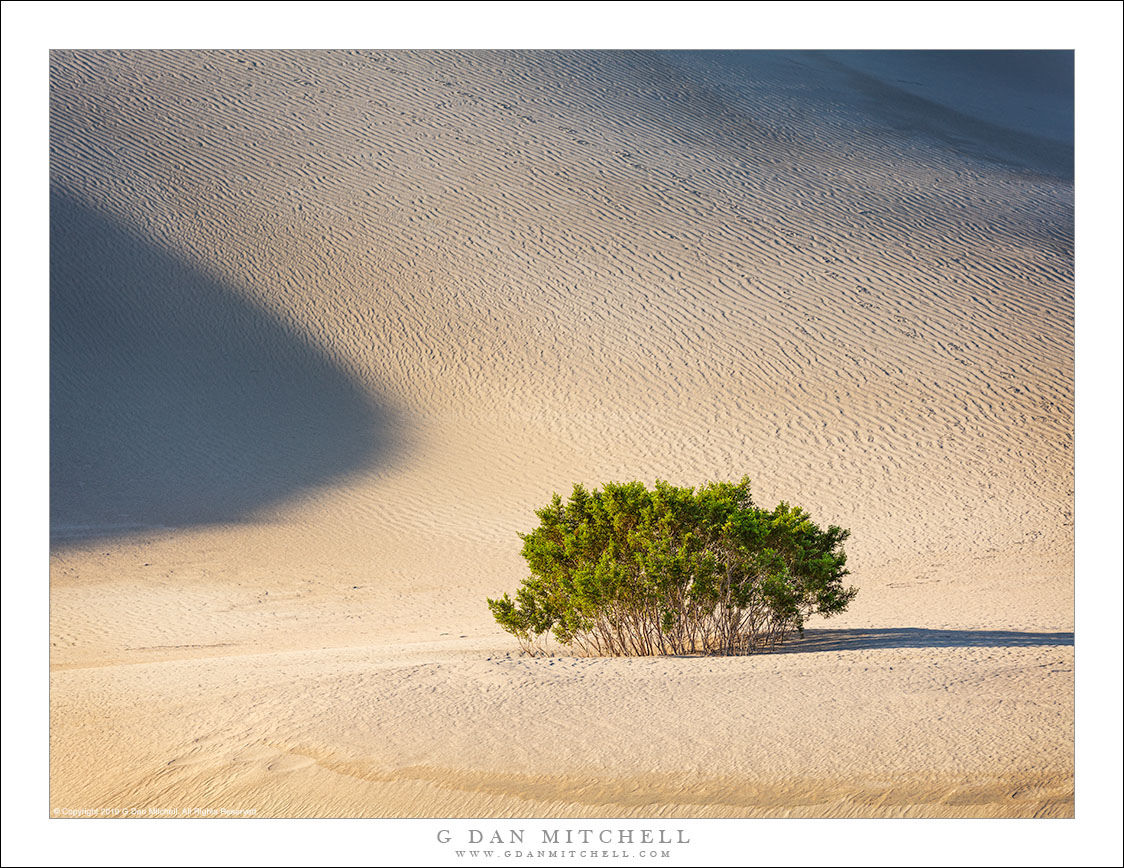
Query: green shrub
(628, 571)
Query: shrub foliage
(630, 571)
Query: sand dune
(328, 327)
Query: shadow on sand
(177, 401)
(916, 637)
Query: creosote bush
(628, 571)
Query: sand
(327, 328)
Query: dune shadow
(1029, 96)
(175, 400)
(917, 637)
(1047, 149)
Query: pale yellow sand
(327, 328)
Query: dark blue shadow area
(916, 637)
(1014, 108)
(175, 400)
(1011, 107)
(1025, 91)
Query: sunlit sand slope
(328, 327)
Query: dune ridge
(472, 279)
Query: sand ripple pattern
(616, 266)
(546, 268)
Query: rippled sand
(326, 328)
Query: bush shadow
(916, 637)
